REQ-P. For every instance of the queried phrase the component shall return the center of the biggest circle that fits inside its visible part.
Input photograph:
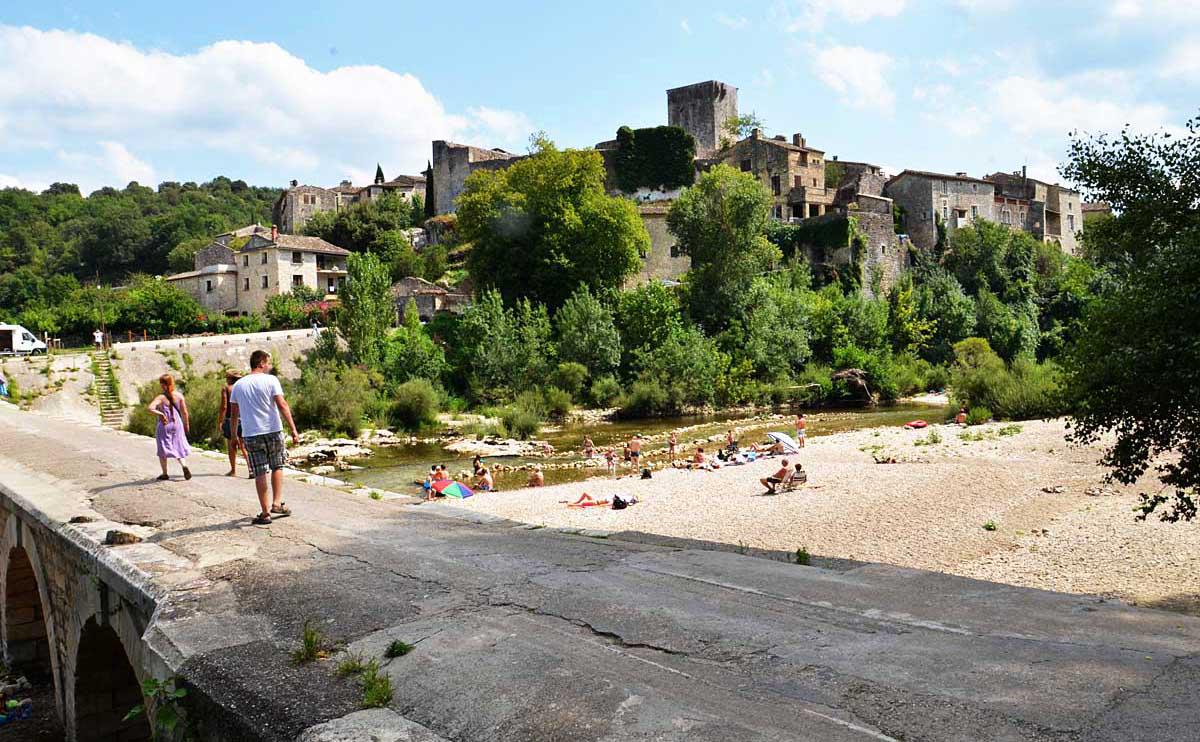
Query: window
(297, 258)
(310, 198)
(945, 213)
(297, 280)
(775, 184)
(974, 211)
(814, 182)
(778, 212)
(745, 166)
(208, 287)
(245, 284)
(245, 261)
(264, 258)
(266, 282)
(1070, 206)
(883, 249)
(1006, 217)
(1071, 222)
(332, 286)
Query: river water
(401, 468)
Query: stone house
(926, 198)
(449, 168)
(703, 109)
(299, 203)
(792, 171)
(430, 298)
(1048, 211)
(240, 270)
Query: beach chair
(793, 481)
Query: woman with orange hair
(171, 434)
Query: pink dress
(170, 436)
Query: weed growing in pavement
(802, 557)
(352, 664)
(376, 496)
(742, 547)
(990, 525)
(377, 687)
(312, 644)
(1009, 430)
(397, 648)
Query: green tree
(737, 128)
(942, 302)
(416, 210)
(159, 307)
(396, 252)
(645, 317)
(368, 311)
(587, 333)
(1135, 368)
(910, 331)
(544, 225)
(410, 353)
(687, 368)
(360, 227)
(719, 223)
(500, 352)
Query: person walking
(233, 437)
(98, 339)
(801, 429)
(257, 402)
(3, 385)
(173, 425)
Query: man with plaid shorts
(257, 403)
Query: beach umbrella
(789, 443)
(450, 488)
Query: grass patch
(351, 664)
(377, 687)
(932, 439)
(1009, 430)
(312, 644)
(802, 556)
(397, 648)
(375, 496)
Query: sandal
(187, 473)
(281, 510)
(261, 520)
(162, 477)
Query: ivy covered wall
(654, 157)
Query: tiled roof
(939, 176)
(304, 243)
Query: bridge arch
(27, 626)
(106, 687)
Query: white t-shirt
(254, 394)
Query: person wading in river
(257, 402)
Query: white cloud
(1182, 60)
(687, 27)
(765, 78)
(857, 75)
(10, 181)
(1048, 106)
(985, 6)
(737, 22)
(59, 88)
(114, 159)
(812, 15)
(1153, 10)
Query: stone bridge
(522, 633)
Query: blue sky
(103, 93)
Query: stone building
(792, 171)
(1048, 211)
(664, 262)
(1095, 209)
(926, 198)
(448, 171)
(430, 298)
(299, 203)
(240, 270)
(703, 109)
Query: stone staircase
(112, 412)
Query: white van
(16, 340)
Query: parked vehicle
(16, 340)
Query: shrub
(204, 410)
(645, 398)
(1025, 390)
(558, 402)
(415, 404)
(813, 385)
(878, 365)
(571, 377)
(330, 397)
(520, 423)
(605, 391)
(978, 415)
(141, 420)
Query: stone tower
(701, 110)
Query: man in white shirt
(257, 403)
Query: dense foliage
(544, 225)
(1135, 369)
(654, 157)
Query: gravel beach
(928, 510)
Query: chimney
(1024, 176)
(346, 183)
(798, 139)
(274, 233)
(756, 134)
(961, 175)
(295, 183)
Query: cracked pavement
(524, 634)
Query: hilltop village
(891, 212)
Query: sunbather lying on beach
(587, 501)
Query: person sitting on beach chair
(797, 478)
(772, 482)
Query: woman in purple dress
(171, 434)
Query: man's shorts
(266, 453)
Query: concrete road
(530, 634)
